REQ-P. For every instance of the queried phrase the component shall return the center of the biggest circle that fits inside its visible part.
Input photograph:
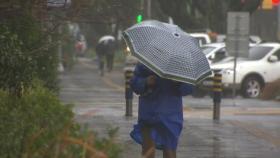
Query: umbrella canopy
(168, 51)
(106, 38)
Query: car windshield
(207, 50)
(258, 52)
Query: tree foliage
(24, 57)
(25, 27)
(244, 5)
(191, 14)
(34, 123)
(100, 17)
(16, 68)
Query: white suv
(262, 66)
(214, 52)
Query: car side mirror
(211, 57)
(273, 59)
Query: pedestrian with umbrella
(170, 63)
(105, 50)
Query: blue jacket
(164, 99)
(159, 107)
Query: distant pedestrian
(105, 50)
(160, 116)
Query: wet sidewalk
(248, 129)
(201, 138)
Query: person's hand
(151, 80)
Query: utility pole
(149, 12)
(237, 30)
(147, 9)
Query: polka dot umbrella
(168, 51)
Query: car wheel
(252, 87)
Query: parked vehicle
(214, 52)
(255, 39)
(203, 38)
(252, 39)
(252, 73)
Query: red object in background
(79, 46)
(275, 2)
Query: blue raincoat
(159, 108)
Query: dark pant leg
(101, 64)
(110, 61)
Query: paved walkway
(248, 129)
(201, 138)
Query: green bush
(22, 58)
(31, 122)
(108, 144)
(16, 67)
(38, 125)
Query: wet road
(248, 128)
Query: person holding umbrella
(160, 118)
(170, 63)
(106, 49)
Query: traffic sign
(237, 41)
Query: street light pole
(147, 9)
(149, 13)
